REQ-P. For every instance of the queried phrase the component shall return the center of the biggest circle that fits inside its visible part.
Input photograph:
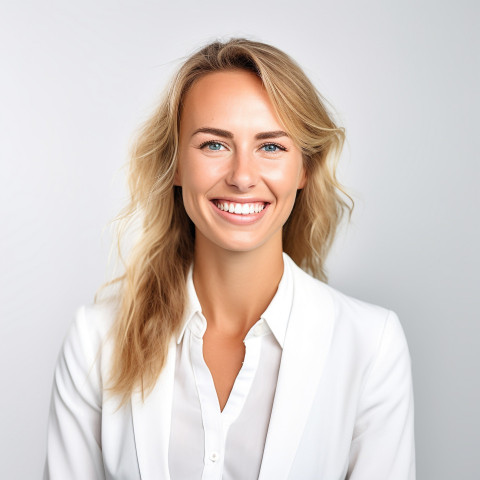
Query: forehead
(234, 98)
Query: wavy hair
(153, 286)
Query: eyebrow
(226, 134)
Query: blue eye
(212, 146)
(272, 148)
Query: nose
(243, 173)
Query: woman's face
(238, 169)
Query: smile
(239, 208)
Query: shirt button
(214, 456)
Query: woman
(221, 358)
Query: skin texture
(238, 261)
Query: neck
(235, 288)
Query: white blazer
(343, 406)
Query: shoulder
(92, 326)
(353, 320)
(87, 346)
(95, 321)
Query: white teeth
(240, 208)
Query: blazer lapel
(307, 342)
(151, 423)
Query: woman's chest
(220, 442)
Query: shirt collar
(193, 304)
(278, 312)
(276, 315)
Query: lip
(237, 219)
(239, 200)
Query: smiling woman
(220, 356)
(248, 164)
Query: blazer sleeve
(383, 445)
(74, 425)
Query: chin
(241, 243)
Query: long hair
(153, 287)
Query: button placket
(210, 412)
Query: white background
(77, 78)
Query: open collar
(306, 345)
(276, 314)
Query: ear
(303, 179)
(177, 179)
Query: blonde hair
(153, 287)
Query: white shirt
(343, 406)
(206, 443)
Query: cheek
(191, 176)
(286, 179)
(199, 174)
(198, 177)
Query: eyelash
(283, 149)
(213, 142)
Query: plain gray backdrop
(77, 78)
